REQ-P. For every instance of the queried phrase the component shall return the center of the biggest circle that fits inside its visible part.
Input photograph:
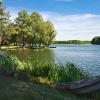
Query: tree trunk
(32, 44)
(2, 42)
(23, 40)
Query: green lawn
(21, 90)
(9, 47)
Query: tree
(42, 32)
(96, 40)
(36, 28)
(11, 30)
(4, 21)
(50, 33)
(23, 21)
(27, 28)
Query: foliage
(9, 63)
(54, 72)
(12, 33)
(4, 21)
(96, 40)
(23, 22)
(27, 28)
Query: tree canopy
(96, 40)
(27, 29)
(4, 21)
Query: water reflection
(86, 57)
(42, 55)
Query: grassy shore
(15, 47)
(10, 47)
(56, 73)
(34, 74)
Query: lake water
(86, 57)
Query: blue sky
(73, 19)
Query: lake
(86, 57)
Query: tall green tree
(42, 32)
(50, 33)
(11, 30)
(36, 28)
(4, 21)
(23, 21)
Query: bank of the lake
(21, 81)
(12, 67)
(85, 57)
(72, 42)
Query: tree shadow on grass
(26, 90)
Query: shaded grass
(23, 90)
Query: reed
(57, 73)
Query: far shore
(72, 42)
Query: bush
(96, 40)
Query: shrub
(96, 40)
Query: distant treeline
(72, 42)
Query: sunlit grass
(10, 47)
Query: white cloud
(13, 13)
(78, 26)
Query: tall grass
(56, 73)
(10, 63)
